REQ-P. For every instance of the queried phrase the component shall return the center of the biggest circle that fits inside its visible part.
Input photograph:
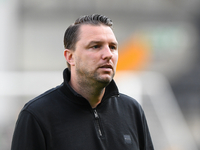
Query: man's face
(96, 54)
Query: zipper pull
(96, 114)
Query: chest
(94, 129)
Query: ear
(69, 56)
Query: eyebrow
(94, 42)
(100, 42)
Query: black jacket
(61, 119)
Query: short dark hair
(71, 34)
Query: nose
(107, 53)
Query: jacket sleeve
(28, 134)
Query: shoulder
(130, 103)
(42, 101)
(42, 109)
(128, 100)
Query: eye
(96, 46)
(113, 47)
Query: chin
(105, 80)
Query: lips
(106, 66)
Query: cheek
(115, 58)
(92, 58)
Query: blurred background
(159, 60)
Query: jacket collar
(111, 90)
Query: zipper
(97, 123)
(97, 120)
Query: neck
(92, 92)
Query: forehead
(96, 32)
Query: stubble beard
(103, 80)
(93, 78)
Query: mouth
(106, 66)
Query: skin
(93, 63)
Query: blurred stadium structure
(159, 62)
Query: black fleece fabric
(61, 119)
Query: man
(86, 112)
